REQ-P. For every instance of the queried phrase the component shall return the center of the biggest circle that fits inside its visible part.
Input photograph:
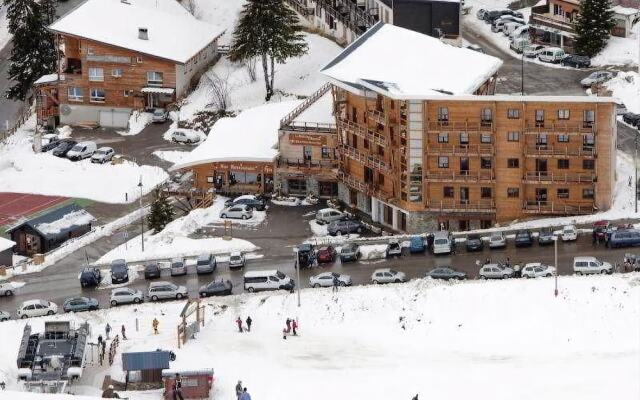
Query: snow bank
(619, 51)
(626, 88)
(172, 156)
(137, 122)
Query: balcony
(358, 130)
(550, 128)
(559, 151)
(365, 159)
(376, 116)
(461, 206)
(370, 189)
(558, 177)
(306, 164)
(462, 126)
(459, 176)
(551, 208)
(551, 21)
(462, 150)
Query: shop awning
(158, 90)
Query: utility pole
(635, 168)
(555, 258)
(296, 265)
(522, 72)
(141, 216)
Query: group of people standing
(291, 327)
(241, 328)
(241, 392)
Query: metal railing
(465, 176)
(304, 105)
(464, 126)
(546, 207)
(370, 189)
(544, 176)
(484, 206)
(463, 149)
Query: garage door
(114, 119)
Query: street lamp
(296, 265)
(555, 261)
(522, 72)
(141, 215)
(635, 168)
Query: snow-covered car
(166, 290)
(569, 233)
(75, 304)
(126, 296)
(7, 289)
(159, 115)
(536, 270)
(251, 200)
(81, 151)
(239, 211)
(591, 265)
(497, 240)
(4, 316)
(388, 275)
(596, 77)
(621, 108)
(49, 142)
(236, 260)
(102, 155)
(325, 279)
(532, 50)
(178, 267)
(36, 308)
(185, 137)
(495, 271)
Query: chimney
(143, 33)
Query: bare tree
(250, 65)
(219, 91)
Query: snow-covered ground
(23, 171)
(626, 88)
(137, 122)
(500, 339)
(619, 51)
(172, 156)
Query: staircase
(304, 105)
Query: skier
(294, 326)
(155, 324)
(249, 320)
(124, 334)
(107, 330)
(245, 395)
(239, 389)
(239, 322)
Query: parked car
(545, 236)
(524, 238)
(326, 254)
(475, 47)
(159, 116)
(239, 211)
(495, 271)
(119, 271)
(4, 316)
(631, 119)
(551, 55)
(325, 279)
(267, 280)
(90, 277)
(532, 50)
(102, 155)
(126, 295)
(250, 200)
(349, 252)
(601, 228)
(446, 273)
(596, 77)
(443, 243)
(81, 151)
(185, 137)
(6, 289)
(416, 244)
(499, 23)
(236, 260)
(576, 61)
(519, 44)
(590, 265)
(492, 15)
(49, 142)
(345, 226)
(569, 233)
(621, 108)
(206, 264)
(166, 290)
(216, 288)
(497, 240)
(474, 243)
(480, 13)
(536, 270)
(63, 147)
(521, 32)
(387, 275)
(328, 215)
(511, 26)
(306, 253)
(394, 248)
(624, 238)
(36, 308)
(151, 270)
(77, 304)
(178, 267)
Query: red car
(326, 254)
(600, 228)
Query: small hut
(145, 367)
(196, 384)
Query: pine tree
(33, 53)
(161, 212)
(593, 26)
(268, 29)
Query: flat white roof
(46, 79)
(320, 111)
(171, 35)
(407, 63)
(625, 10)
(6, 244)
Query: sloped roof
(172, 36)
(58, 222)
(6, 244)
(146, 360)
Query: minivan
(267, 280)
(178, 267)
(442, 243)
(205, 264)
(328, 215)
(624, 238)
(590, 265)
(519, 44)
(81, 151)
(551, 55)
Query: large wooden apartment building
(426, 144)
(117, 56)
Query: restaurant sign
(307, 139)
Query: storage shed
(196, 384)
(147, 366)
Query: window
(297, 185)
(563, 114)
(563, 193)
(513, 192)
(116, 72)
(513, 113)
(354, 141)
(485, 162)
(485, 192)
(154, 78)
(589, 117)
(447, 192)
(588, 141)
(307, 152)
(74, 94)
(588, 164)
(127, 93)
(380, 151)
(539, 117)
(563, 138)
(443, 162)
(587, 193)
(513, 163)
(326, 152)
(96, 74)
(139, 60)
(464, 138)
(443, 137)
(486, 116)
(513, 136)
(366, 143)
(485, 138)
(541, 141)
(443, 115)
(563, 163)
(97, 95)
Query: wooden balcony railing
(376, 116)
(482, 206)
(463, 126)
(562, 151)
(467, 149)
(560, 177)
(550, 128)
(549, 207)
(371, 189)
(301, 163)
(551, 22)
(459, 176)
(359, 130)
(368, 160)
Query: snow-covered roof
(58, 222)
(320, 111)
(172, 36)
(6, 244)
(74, 218)
(403, 63)
(625, 10)
(250, 136)
(46, 79)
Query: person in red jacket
(239, 322)
(294, 327)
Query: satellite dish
(65, 109)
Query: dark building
(145, 367)
(49, 230)
(433, 18)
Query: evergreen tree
(268, 29)
(33, 53)
(593, 26)
(161, 212)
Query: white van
(591, 265)
(267, 280)
(328, 215)
(509, 27)
(551, 54)
(521, 31)
(519, 44)
(442, 243)
(82, 150)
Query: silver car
(326, 279)
(236, 260)
(535, 270)
(166, 290)
(126, 296)
(495, 271)
(388, 275)
(238, 211)
(596, 77)
(4, 316)
(185, 137)
(178, 267)
(102, 155)
(159, 115)
(497, 240)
